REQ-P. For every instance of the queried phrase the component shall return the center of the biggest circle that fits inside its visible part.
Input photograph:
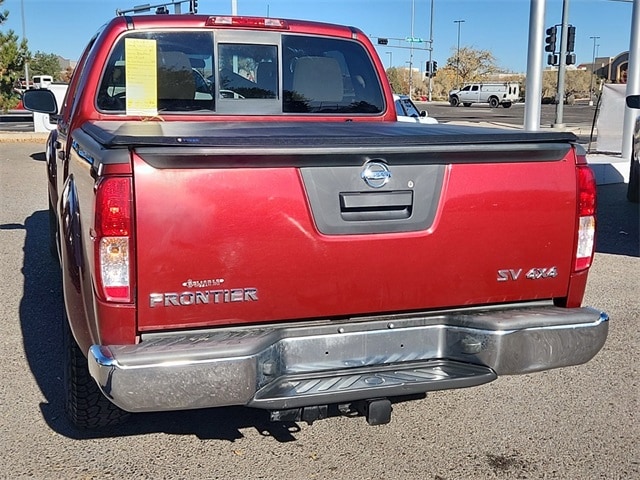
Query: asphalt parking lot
(579, 118)
(574, 423)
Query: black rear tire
(85, 404)
(466, 104)
(506, 104)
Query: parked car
(633, 192)
(408, 112)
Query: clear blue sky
(63, 27)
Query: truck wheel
(633, 190)
(454, 101)
(506, 104)
(466, 104)
(85, 405)
(493, 102)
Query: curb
(19, 137)
(576, 129)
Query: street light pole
(458, 52)
(390, 58)
(562, 66)
(24, 38)
(431, 53)
(593, 71)
(533, 100)
(413, 10)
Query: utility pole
(532, 107)
(593, 71)
(633, 81)
(563, 64)
(458, 53)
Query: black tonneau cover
(265, 135)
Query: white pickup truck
(495, 94)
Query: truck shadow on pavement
(618, 222)
(41, 324)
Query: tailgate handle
(367, 206)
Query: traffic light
(552, 59)
(571, 59)
(383, 41)
(431, 68)
(551, 40)
(193, 6)
(571, 40)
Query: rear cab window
(232, 72)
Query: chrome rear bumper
(295, 365)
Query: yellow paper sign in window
(141, 76)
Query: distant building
(506, 77)
(554, 68)
(611, 69)
(66, 63)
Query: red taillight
(586, 191)
(113, 207)
(247, 22)
(113, 243)
(586, 217)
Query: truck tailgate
(246, 223)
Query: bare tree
(443, 82)
(577, 84)
(472, 65)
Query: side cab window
(78, 74)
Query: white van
(42, 81)
(495, 94)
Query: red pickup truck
(240, 220)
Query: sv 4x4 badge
(511, 274)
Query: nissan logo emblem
(376, 174)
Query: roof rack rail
(161, 8)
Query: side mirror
(40, 100)
(633, 101)
(423, 113)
